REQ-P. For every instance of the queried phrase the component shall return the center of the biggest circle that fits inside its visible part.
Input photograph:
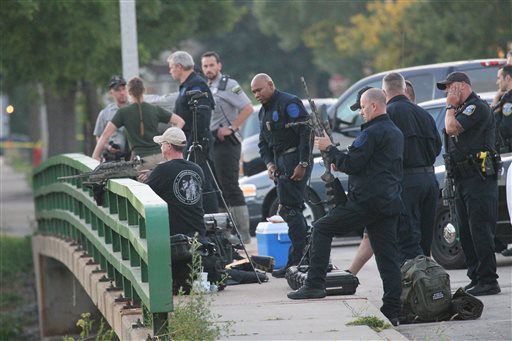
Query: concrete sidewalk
(259, 312)
(263, 312)
(17, 217)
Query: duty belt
(419, 170)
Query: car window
(423, 86)
(482, 79)
(343, 111)
(251, 126)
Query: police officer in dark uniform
(471, 128)
(285, 147)
(194, 91)
(374, 165)
(422, 144)
(503, 109)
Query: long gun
(108, 170)
(448, 191)
(334, 190)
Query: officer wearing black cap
(470, 125)
(420, 187)
(285, 147)
(374, 165)
(357, 105)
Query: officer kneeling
(374, 165)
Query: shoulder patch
(293, 110)
(237, 89)
(360, 140)
(469, 110)
(507, 109)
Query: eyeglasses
(162, 143)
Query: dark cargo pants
(382, 232)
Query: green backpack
(426, 294)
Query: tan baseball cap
(172, 135)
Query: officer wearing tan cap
(180, 183)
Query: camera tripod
(199, 155)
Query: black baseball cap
(116, 81)
(357, 104)
(452, 78)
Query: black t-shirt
(180, 184)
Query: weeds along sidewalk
(263, 312)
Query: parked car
(261, 197)
(251, 160)
(482, 73)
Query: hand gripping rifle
(448, 191)
(333, 188)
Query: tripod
(196, 149)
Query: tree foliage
(246, 51)
(69, 46)
(355, 38)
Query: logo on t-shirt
(187, 187)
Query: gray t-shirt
(105, 116)
(228, 102)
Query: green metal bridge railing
(128, 236)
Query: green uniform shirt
(129, 118)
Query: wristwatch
(449, 106)
(304, 164)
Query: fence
(127, 236)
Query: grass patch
(16, 281)
(373, 322)
(192, 318)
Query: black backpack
(426, 294)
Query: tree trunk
(61, 121)
(92, 108)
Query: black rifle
(108, 170)
(333, 187)
(448, 191)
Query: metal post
(130, 54)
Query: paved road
(494, 324)
(16, 202)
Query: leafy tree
(457, 30)
(312, 23)
(246, 51)
(72, 47)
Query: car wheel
(313, 211)
(446, 248)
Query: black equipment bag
(181, 246)
(337, 282)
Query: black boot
(306, 292)
(484, 289)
